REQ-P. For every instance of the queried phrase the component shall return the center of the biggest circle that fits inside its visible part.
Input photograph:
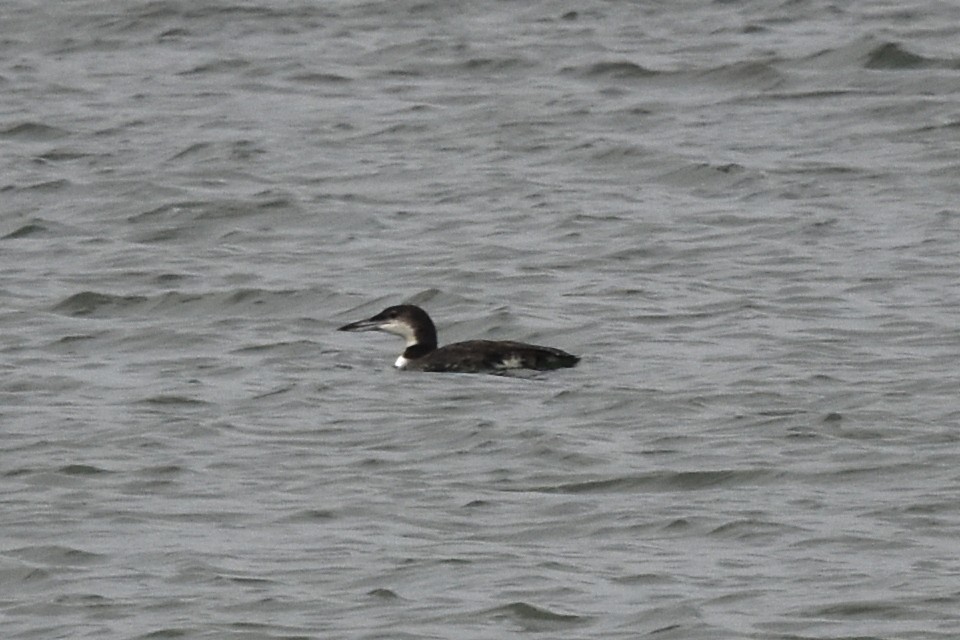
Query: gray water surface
(742, 215)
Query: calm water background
(744, 215)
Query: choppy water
(742, 214)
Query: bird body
(472, 356)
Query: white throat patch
(401, 329)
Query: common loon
(474, 356)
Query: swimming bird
(473, 356)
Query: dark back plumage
(475, 356)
